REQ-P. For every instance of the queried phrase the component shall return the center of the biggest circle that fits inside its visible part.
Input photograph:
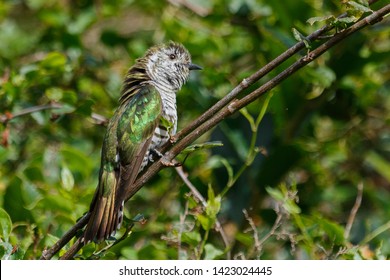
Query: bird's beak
(193, 66)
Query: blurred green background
(326, 131)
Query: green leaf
(69, 97)
(325, 76)
(50, 240)
(210, 193)
(359, 8)
(212, 208)
(381, 165)
(5, 250)
(212, 253)
(313, 20)
(31, 195)
(18, 254)
(14, 201)
(244, 238)
(205, 221)
(166, 123)
(213, 204)
(81, 23)
(229, 169)
(332, 229)
(344, 22)
(300, 38)
(57, 202)
(54, 60)
(67, 178)
(5, 225)
(291, 207)
(54, 93)
(76, 159)
(192, 238)
(129, 253)
(85, 107)
(248, 116)
(275, 193)
(33, 173)
(15, 41)
(192, 202)
(197, 147)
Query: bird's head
(169, 65)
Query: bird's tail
(106, 217)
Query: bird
(145, 119)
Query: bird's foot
(172, 139)
(169, 163)
(166, 162)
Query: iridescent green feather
(128, 136)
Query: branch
(247, 82)
(229, 105)
(48, 254)
(5, 118)
(199, 127)
(9, 116)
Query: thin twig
(275, 226)
(354, 210)
(259, 243)
(5, 118)
(73, 250)
(49, 253)
(257, 246)
(99, 119)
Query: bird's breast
(165, 129)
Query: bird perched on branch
(145, 120)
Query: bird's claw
(172, 139)
(169, 163)
(166, 162)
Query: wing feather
(126, 143)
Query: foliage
(285, 181)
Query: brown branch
(259, 243)
(73, 250)
(5, 118)
(228, 105)
(257, 246)
(49, 253)
(9, 116)
(247, 82)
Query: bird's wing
(127, 140)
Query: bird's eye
(172, 56)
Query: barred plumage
(145, 119)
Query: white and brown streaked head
(169, 65)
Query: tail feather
(105, 218)
(107, 205)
